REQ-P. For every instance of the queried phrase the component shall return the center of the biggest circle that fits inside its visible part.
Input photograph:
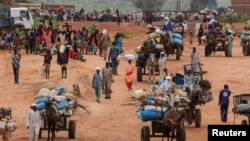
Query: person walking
(103, 51)
(224, 102)
(16, 58)
(197, 27)
(200, 34)
(58, 45)
(162, 64)
(118, 42)
(230, 43)
(129, 70)
(33, 123)
(32, 45)
(195, 60)
(64, 59)
(113, 56)
(97, 83)
(27, 42)
(107, 80)
(47, 62)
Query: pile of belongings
(207, 11)
(155, 102)
(64, 102)
(243, 107)
(7, 125)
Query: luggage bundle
(64, 102)
(152, 108)
(7, 125)
(177, 38)
(153, 104)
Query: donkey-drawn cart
(65, 125)
(165, 123)
(161, 131)
(216, 43)
(144, 61)
(201, 93)
(241, 107)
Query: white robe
(34, 124)
(196, 28)
(162, 64)
(195, 60)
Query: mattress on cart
(242, 108)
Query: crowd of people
(70, 43)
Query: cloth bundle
(7, 126)
(62, 100)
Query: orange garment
(129, 75)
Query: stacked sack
(154, 104)
(64, 102)
(177, 38)
(7, 126)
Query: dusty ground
(116, 119)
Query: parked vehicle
(22, 15)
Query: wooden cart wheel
(207, 52)
(245, 50)
(145, 133)
(72, 129)
(181, 134)
(139, 74)
(244, 122)
(226, 50)
(248, 46)
(178, 52)
(197, 117)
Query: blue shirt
(113, 53)
(167, 27)
(224, 96)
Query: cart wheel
(207, 51)
(245, 50)
(181, 134)
(40, 133)
(244, 122)
(145, 133)
(178, 52)
(226, 51)
(197, 117)
(139, 74)
(72, 129)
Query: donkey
(173, 119)
(52, 117)
(151, 65)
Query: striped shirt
(16, 57)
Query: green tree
(1, 1)
(197, 5)
(148, 5)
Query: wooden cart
(161, 131)
(67, 126)
(240, 99)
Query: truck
(21, 15)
